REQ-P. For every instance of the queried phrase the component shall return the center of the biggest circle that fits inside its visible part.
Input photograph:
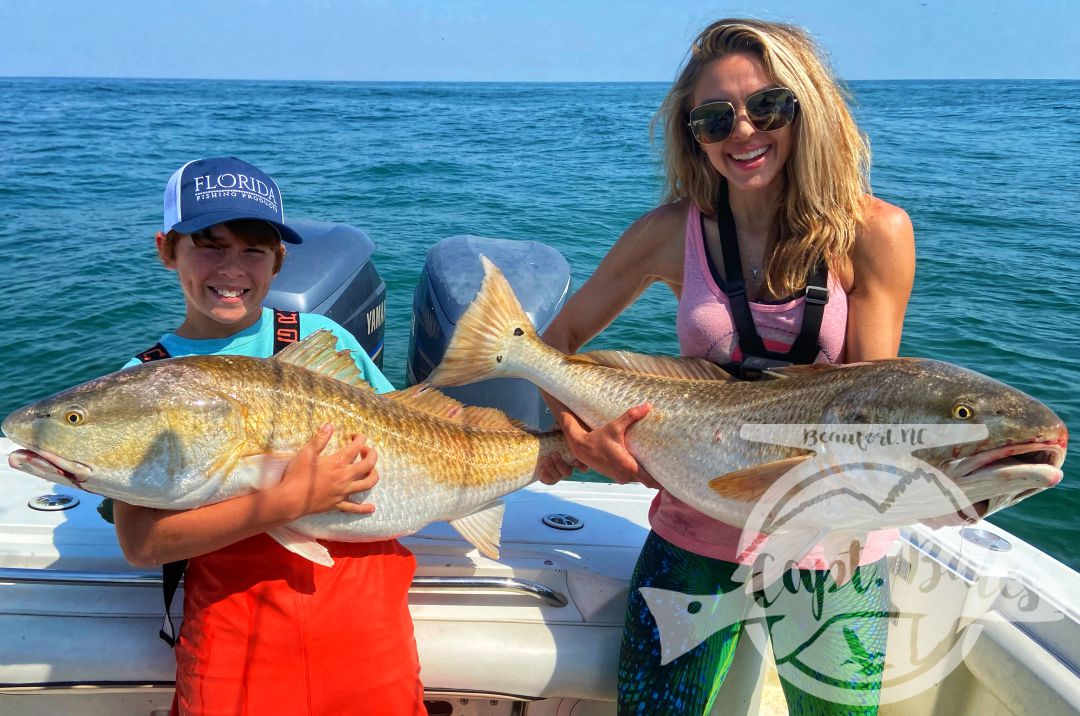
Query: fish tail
(492, 325)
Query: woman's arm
(311, 483)
(650, 250)
(883, 268)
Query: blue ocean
(987, 170)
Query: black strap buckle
(817, 294)
(753, 367)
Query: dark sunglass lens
(712, 123)
(771, 109)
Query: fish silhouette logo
(844, 634)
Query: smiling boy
(266, 631)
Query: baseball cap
(205, 192)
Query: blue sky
(523, 40)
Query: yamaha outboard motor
(450, 280)
(331, 273)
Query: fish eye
(74, 416)
(961, 411)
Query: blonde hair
(826, 178)
(254, 231)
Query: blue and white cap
(210, 191)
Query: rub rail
(423, 585)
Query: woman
(767, 181)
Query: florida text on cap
(211, 191)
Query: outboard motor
(451, 278)
(331, 273)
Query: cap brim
(205, 221)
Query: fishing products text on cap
(205, 192)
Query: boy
(266, 631)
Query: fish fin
(796, 371)
(660, 366)
(302, 545)
(427, 399)
(319, 354)
(484, 333)
(777, 554)
(262, 470)
(478, 417)
(753, 482)
(481, 528)
(842, 550)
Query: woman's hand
(313, 482)
(603, 449)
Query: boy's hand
(314, 482)
(554, 468)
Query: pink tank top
(706, 330)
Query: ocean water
(988, 172)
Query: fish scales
(692, 442)
(184, 432)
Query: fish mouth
(1018, 457)
(1029, 468)
(47, 466)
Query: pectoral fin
(481, 529)
(302, 545)
(753, 482)
(261, 471)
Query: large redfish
(816, 455)
(185, 432)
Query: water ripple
(987, 171)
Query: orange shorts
(268, 632)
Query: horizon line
(538, 82)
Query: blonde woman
(777, 252)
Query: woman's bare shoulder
(884, 245)
(883, 222)
(656, 239)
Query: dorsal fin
(428, 400)
(660, 366)
(425, 398)
(796, 371)
(319, 354)
(478, 417)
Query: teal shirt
(257, 341)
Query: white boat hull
(536, 632)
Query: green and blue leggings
(690, 684)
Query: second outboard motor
(331, 273)
(450, 280)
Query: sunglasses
(768, 110)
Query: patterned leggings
(818, 631)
